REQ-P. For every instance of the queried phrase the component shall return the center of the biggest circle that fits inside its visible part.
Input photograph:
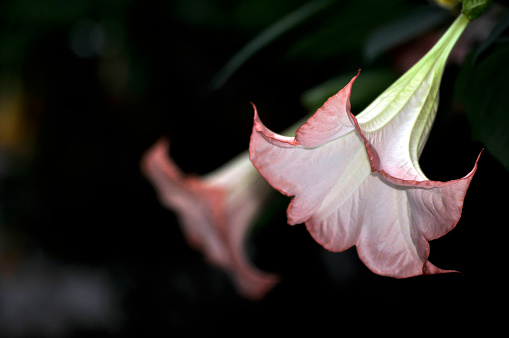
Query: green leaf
(404, 29)
(366, 88)
(501, 25)
(473, 9)
(483, 90)
(266, 37)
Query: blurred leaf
(266, 37)
(501, 25)
(343, 30)
(198, 12)
(366, 88)
(408, 27)
(473, 9)
(447, 4)
(255, 15)
(482, 89)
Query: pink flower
(215, 212)
(357, 180)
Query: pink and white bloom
(356, 181)
(215, 212)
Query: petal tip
(258, 126)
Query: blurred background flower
(215, 212)
(86, 86)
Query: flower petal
(436, 207)
(330, 121)
(336, 225)
(394, 243)
(283, 161)
(197, 205)
(343, 203)
(215, 213)
(364, 187)
(396, 125)
(386, 243)
(390, 225)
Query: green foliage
(345, 28)
(367, 87)
(501, 25)
(482, 88)
(473, 9)
(404, 29)
(266, 37)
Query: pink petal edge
(427, 194)
(275, 163)
(463, 183)
(203, 218)
(374, 160)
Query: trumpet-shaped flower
(357, 180)
(215, 212)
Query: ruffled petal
(285, 163)
(391, 242)
(389, 225)
(330, 121)
(436, 208)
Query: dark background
(87, 250)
